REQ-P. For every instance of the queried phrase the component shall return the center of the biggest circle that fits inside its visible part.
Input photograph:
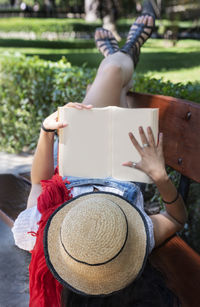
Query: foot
(105, 42)
(139, 32)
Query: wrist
(47, 135)
(46, 129)
(160, 178)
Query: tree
(91, 10)
(107, 10)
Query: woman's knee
(112, 72)
(111, 68)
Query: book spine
(61, 140)
(111, 113)
(155, 118)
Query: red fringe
(45, 290)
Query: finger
(135, 142)
(61, 125)
(79, 106)
(143, 136)
(76, 105)
(160, 141)
(151, 137)
(73, 105)
(88, 106)
(130, 164)
(135, 165)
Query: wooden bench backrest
(179, 120)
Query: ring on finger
(145, 145)
(134, 164)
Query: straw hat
(96, 243)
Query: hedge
(44, 43)
(68, 25)
(31, 89)
(189, 91)
(39, 25)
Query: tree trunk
(91, 10)
(109, 11)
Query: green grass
(40, 25)
(180, 63)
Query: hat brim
(107, 278)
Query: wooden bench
(179, 120)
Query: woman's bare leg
(113, 76)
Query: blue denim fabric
(55, 152)
(130, 190)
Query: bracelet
(173, 201)
(47, 130)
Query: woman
(109, 88)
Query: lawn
(179, 63)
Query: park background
(48, 57)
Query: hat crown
(94, 231)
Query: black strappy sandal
(136, 32)
(105, 42)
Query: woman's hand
(152, 159)
(51, 122)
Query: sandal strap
(142, 25)
(108, 44)
(135, 35)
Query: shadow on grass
(58, 44)
(78, 59)
(164, 61)
(168, 61)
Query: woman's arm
(43, 162)
(153, 164)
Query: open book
(96, 143)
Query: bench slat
(179, 120)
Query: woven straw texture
(94, 254)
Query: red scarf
(45, 290)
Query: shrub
(189, 91)
(32, 88)
(43, 43)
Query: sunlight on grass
(159, 58)
(182, 75)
